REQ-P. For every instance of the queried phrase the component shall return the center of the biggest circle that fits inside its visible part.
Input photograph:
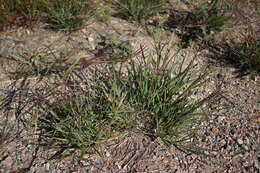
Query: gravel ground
(231, 137)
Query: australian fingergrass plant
(67, 14)
(83, 107)
(162, 97)
(19, 12)
(201, 22)
(245, 54)
(250, 55)
(95, 109)
(140, 8)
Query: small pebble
(240, 141)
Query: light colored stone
(240, 141)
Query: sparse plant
(37, 64)
(115, 47)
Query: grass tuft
(68, 14)
(61, 14)
(139, 9)
(245, 54)
(19, 12)
(200, 23)
(160, 92)
(83, 107)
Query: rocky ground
(232, 137)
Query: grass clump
(161, 97)
(67, 14)
(87, 117)
(201, 23)
(83, 107)
(245, 54)
(139, 9)
(19, 12)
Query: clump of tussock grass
(140, 9)
(83, 107)
(60, 14)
